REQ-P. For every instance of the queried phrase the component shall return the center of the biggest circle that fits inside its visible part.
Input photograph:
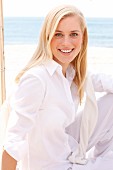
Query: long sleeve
(102, 82)
(25, 105)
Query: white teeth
(66, 51)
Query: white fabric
(40, 116)
(102, 138)
(88, 123)
(43, 113)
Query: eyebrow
(71, 31)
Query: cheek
(78, 43)
(53, 47)
(53, 44)
(80, 40)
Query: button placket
(67, 90)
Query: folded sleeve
(102, 82)
(25, 105)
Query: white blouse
(44, 104)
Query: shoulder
(37, 71)
(35, 76)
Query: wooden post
(2, 58)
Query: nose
(66, 40)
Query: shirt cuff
(18, 150)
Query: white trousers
(102, 138)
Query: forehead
(69, 22)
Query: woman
(45, 130)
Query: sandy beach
(16, 56)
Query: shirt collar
(52, 66)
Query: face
(67, 40)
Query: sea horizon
(25, 30)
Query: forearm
(8, 162)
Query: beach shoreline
(16, 56)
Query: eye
(74, 34)
(58, 35)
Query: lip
(66, 51)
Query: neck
(64, 70)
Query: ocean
(25, 30)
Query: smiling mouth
(66, 51)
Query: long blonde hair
(43, 51)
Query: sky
(35, 8)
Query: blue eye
(58, 35)
(73, 34)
